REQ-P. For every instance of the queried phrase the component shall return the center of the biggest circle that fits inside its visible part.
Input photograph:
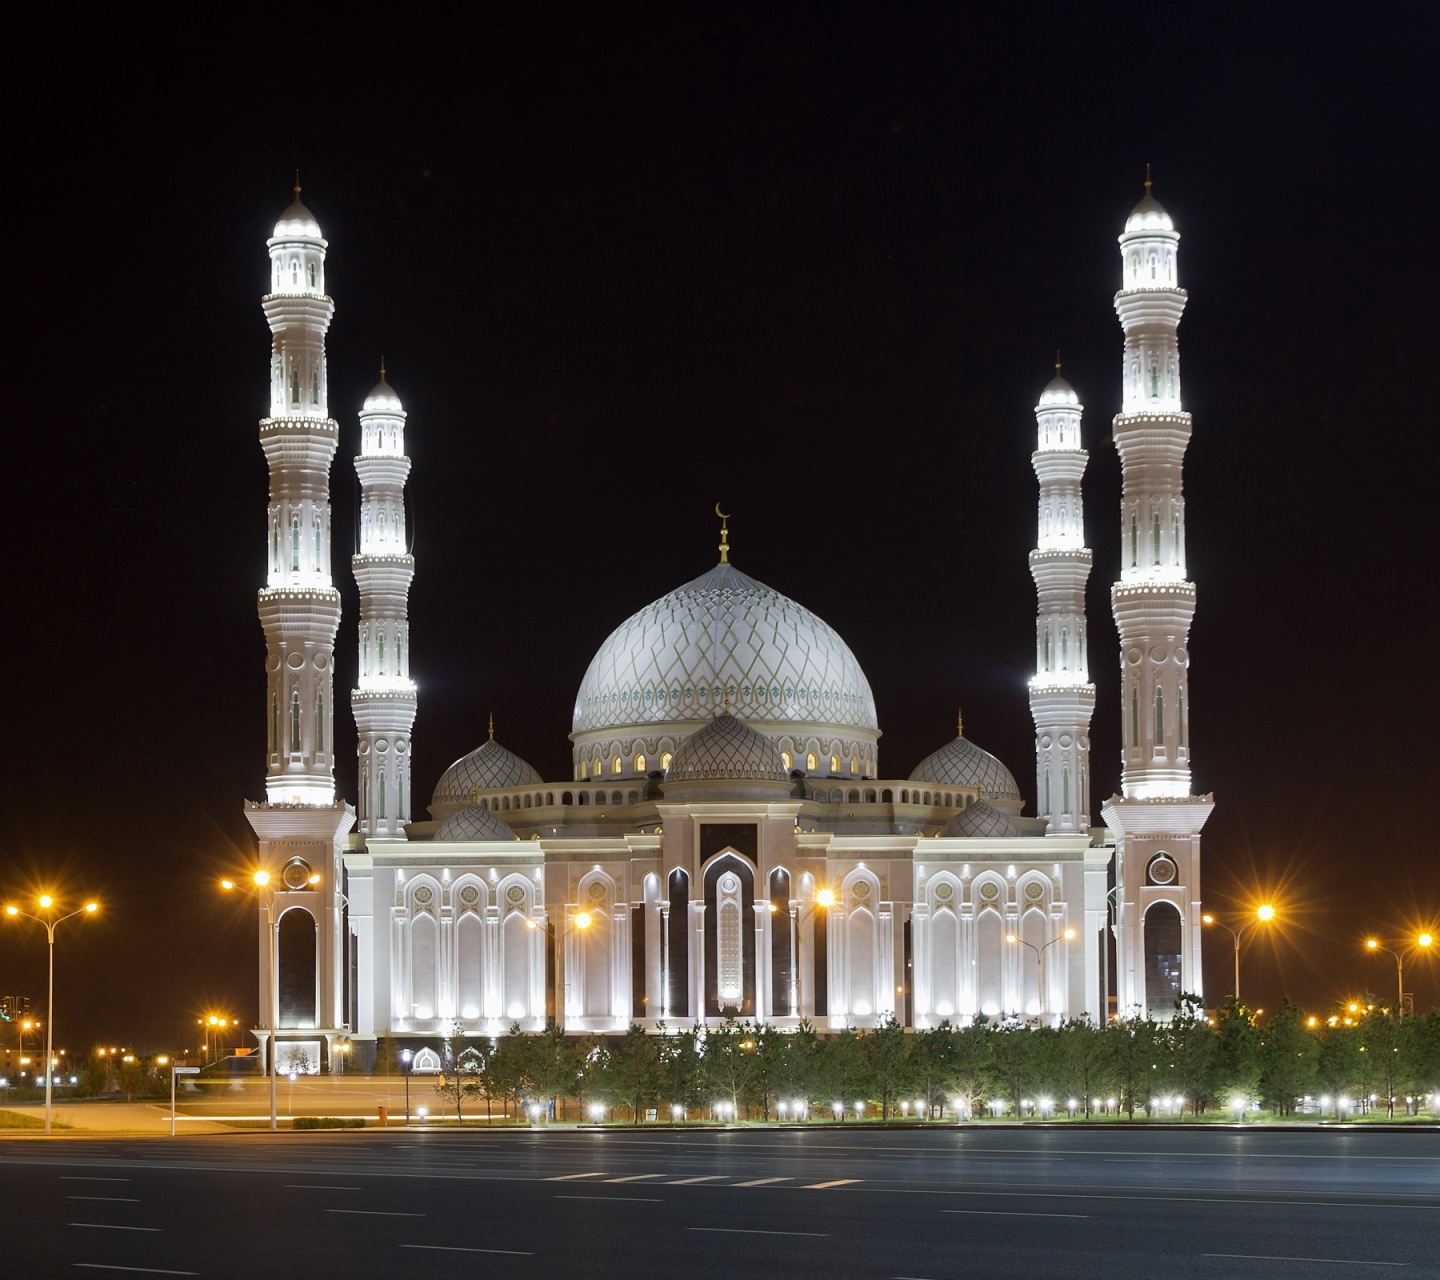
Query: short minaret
(384, 702)
(1062, 699)
(1157, 822)
(299, 606)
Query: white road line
(109, 1226)
(1014, 1213)
(820, 1186)
(149, 1271)
(760, 1182)
(111, 1199)
(1281, 1257)
(630, 1199)
(704, 1177)
(571, 1177)
(456, 1248)
(70, 1177)
(315, 1186)
(754, 1231)
(377, 1213)
(636, 1177)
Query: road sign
(187, 1071)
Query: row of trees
(760, 1072)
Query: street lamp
(1263, 915)
(266, 897)
(1421, 942)
(47, 904)
(405, 1056)
(581, 920)
(1040, 958)
(824, 899)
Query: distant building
(728, 843)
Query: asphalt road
(832, 1203)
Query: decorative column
(384, 703)
(1062, 699)
(1156, 822)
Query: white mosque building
(729, 843)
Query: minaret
(1062, 698)
(1157, 822)
(384, 703)
(299, 606)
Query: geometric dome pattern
(979, 819)
(727, 748)
(724, 635)
(962, 764)
(474, 822)
(489, 767)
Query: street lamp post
(1263, 915)
(1423, 940)
(47, 903)
(1040, 958)
(405, 1056)
(823, 901)
(266, 897)
(580, 921)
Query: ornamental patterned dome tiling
(489, 767)
(979, 819)
(727, 748)
(960, 763)
(474, 822)
(724, 636)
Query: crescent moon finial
(724, 535)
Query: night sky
(812, 261)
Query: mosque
(729, 844)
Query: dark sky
(813, 261)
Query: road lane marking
(377, 1213)
(111, 1199)
(72, 1177)
(820, 1186)
(109, 1226)
(755, 1231)
(149, 1271)
(457, 1248)
(1281, 1257)
(636, 1177)
(1014, 1213)
(629, 1199)
(704, 1177)
(760, 1182)
(315, 1186)
(571, 1177)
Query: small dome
(382, 399)
(297, 222)
(962, 764)
(489, 767)
(1149, 215)
(979, 819)
(1058, 391)
(727, 748)
(474, 822)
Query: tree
(132, 1076)
(967, 1066)
(932, 1063)
(728, 1063)
(632, 1071)
(1381, 1035)
(551, 1066)
(95, 1074)
(1237, 1053)
(461, 1080)
(1133, 1052)
(1084, 1060)
(1191, 1047)
(1420, 1057)
(885, 1053)
(1018, 1059)
(1288, 1054)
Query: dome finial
(382, 368)
(960, 716)
(492, 726)
(1148, 183)
(296, 187)
(724, 535)
(1057, 362)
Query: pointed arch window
(1084, 791)
(294, 386)
(1065, 789)
(1065, 648)
(320, 722)
(295, 720)
(400, 796)
(1180, 717)
(665, 759)
(399, 655)
(1134, 717)
(1047, 790)
(312, 275)
(380, 651)
(295, 273)
(786, 757)
(380, 807)
(616, 764)
(1159, 717)
(1155, 536)
(319, 558)
(1154, 381)
(811, 762)
(640, 762)
(274, 722)
(834, 764)
(295, 542)
(1045, 665)
(1134, 541)
(1175, 540)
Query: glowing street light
(47, 903)
(1040, 958)
(260, 880)
(1421, 942)
(824, 899)
(1263, 914)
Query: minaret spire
(724, 535)
(385, 701)
(1156, 822)
(299, 606)
(1062, 699)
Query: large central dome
(724, 642)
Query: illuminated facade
(728, 844)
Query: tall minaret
(1157, 822)
(1062, 698)
(384, 703)
(299, 606)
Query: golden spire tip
(959, 723)
(382, 368)
(1148, 183)
(296, 187)
(492, 726)
(724, 535)
(1057, 362)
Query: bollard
(384, 1116)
